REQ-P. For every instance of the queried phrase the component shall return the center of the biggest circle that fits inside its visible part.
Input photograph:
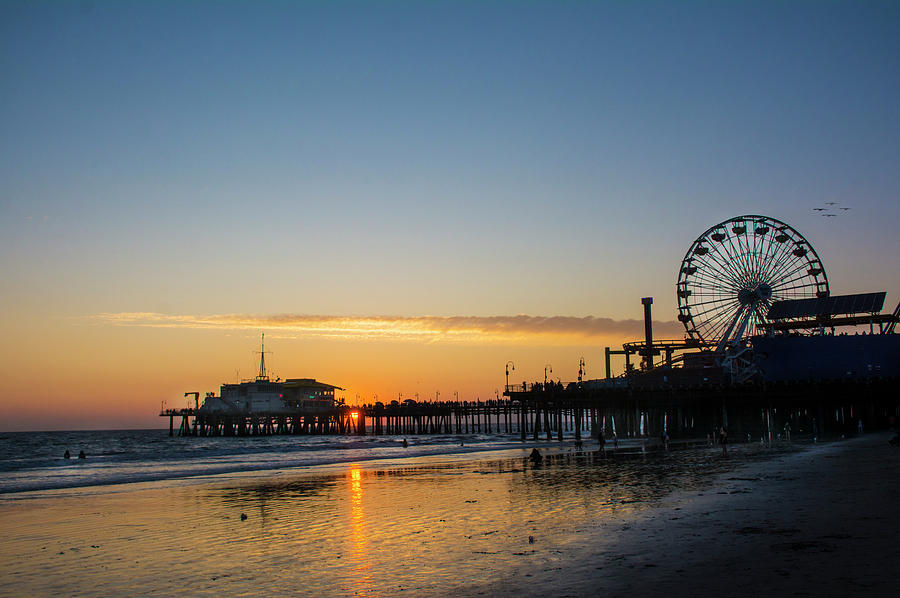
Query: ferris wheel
(735, 270)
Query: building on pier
(267, 396)
(263, 395)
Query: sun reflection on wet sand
(359, 553)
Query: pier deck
(656, 410)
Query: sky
(406, 195)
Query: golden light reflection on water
(359, 552)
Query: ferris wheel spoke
(719, 323)
(776, 262)
(769, 256)
(712, 328)
(767, 243)
(705, 277)
(730, 259)
(754, 251)
(782, 255)
(787, 259)
(708, 282)
(800, 272)
(749, 254)
(791, 276)
(740, 256)
(726, 265)
(716, 317)
(714, 263)
(709, 302)
(725, 326)
(786, 272)
(715, 313)
(796, 292)
(765, 249)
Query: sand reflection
(359, 543)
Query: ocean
(34, 461)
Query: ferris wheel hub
(751, 295)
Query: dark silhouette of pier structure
(553, 412)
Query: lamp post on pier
(508, 364)
(547, 368)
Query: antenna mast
(262, 377)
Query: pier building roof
(835, 305)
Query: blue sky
(552, 158)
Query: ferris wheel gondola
(735, 270)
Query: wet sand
(787, 520)
(823, 522)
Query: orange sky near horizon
(115, 370)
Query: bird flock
(831, 209)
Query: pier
(408, 418)
(553, 412)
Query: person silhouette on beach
(723, 440)
(67, 455)
(536, 457)
(81, 455)
(404, 443)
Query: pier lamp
(547, 369)
(509, 366)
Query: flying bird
(845, 209)
(830, 203)
(830, 215)
(819, 209)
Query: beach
(821, 521)
(790, 520)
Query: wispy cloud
(454, 329)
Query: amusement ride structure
(747, 279)
(734, 271)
